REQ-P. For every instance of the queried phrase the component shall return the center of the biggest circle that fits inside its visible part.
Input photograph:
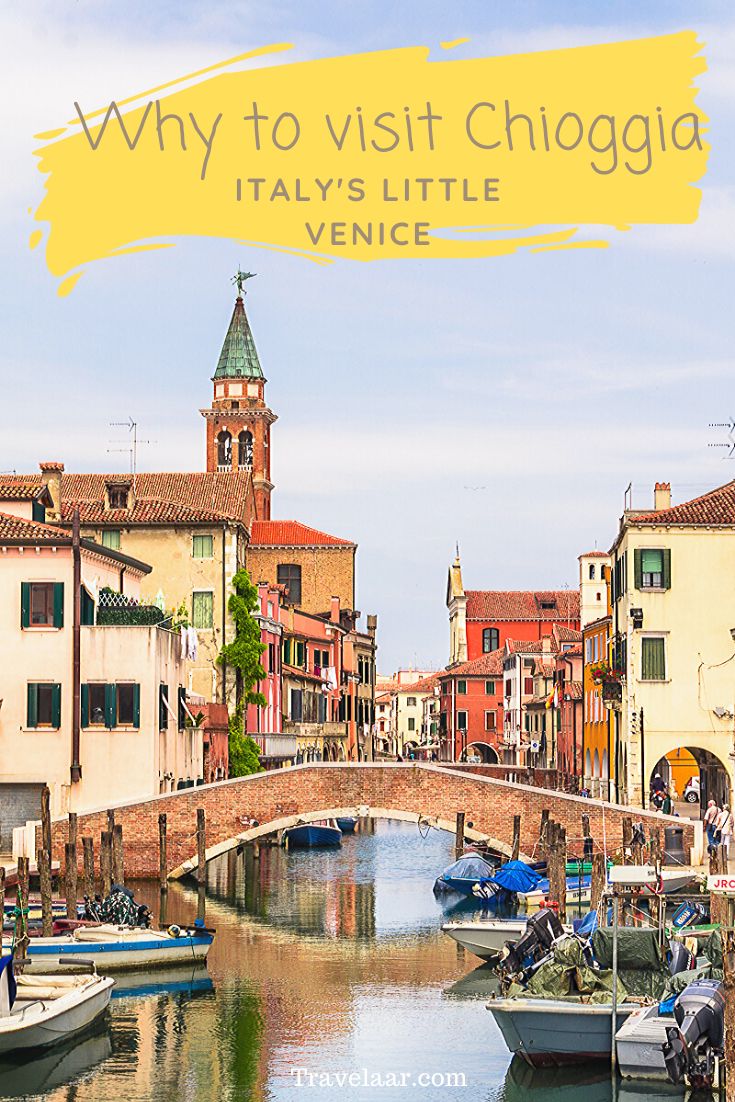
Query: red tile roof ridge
(285, 533)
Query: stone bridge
(414, 792)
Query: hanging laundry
(192, 644)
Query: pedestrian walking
(724, 830)
(710, 818)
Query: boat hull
(553, 1032)
(59, 1019)
(639, 1045)
(51, 954)
(347, 825)
(310, 835)
(486, 939)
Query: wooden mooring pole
(598, 881)
(106, 862)
(162, 857)
(46, 821)
(459, 835)
(70, 879)
(44, 875)
(22, 920)
(728, 983)
(2, 890)
(516, 848)
(88, 854)
(201, 846)
(118, 857)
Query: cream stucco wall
(695, 617)
(122, 763)
(177, 574)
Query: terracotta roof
(296, 671)
(543, 669)
(530, 646)
(143, 512)
(498, 605)
(203, 495)
(420, 688)
(594, 555)
(567, 635)
(18, 530)
(715, 507)
(573, 689)
(291, 533)
(487, 665)
(573, 652)
(22, 488)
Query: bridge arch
(252, 834)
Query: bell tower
(239, 421)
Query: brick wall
(326, 572)
(429, 790)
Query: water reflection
(327, 961)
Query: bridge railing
(553, 779)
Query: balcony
(276, 747)
(117, 610)
(302, 729)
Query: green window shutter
(56, 706)
(181, 712)
(110, 706)
(136, 705)
(667, 568)
(638, 565)
(58, 604)
(85, 705)
(25, 604)
(38, 512)
(653, 660)
(32, 705)
(162, 709)
(86, 608)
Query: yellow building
(673, 637)
(598, 764)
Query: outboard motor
(680, 958)
(690, 1049)
(542, 930)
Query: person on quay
(724, 829)
(710, 818)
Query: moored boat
(555, 1032)
(346, 823)
(324, 832)
(486, 938)
(465, 876)
(41, 1010)
(113, 948)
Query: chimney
(372, 625)
(334, 610)
(546, 644)
(662, 496)
(51, 478)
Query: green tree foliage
(243, 655)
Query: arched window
(224, 450)
(245, 451)
(490, 639)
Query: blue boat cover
(587, 926)
(469, 867)
(515, 876)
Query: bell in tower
(239, 421)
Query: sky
(502, 404)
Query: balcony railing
(115, 609)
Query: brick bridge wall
(422, 789)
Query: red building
(568, 704)
(481, 621)
(471, 710)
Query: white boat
(639, 1044)
(673, 881)
(48, 1009)
(118, 947)
(486, 937)
(38, 1072)
(555, 1032)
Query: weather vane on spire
(240, 278)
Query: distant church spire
(239, 356)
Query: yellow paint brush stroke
(453, 43)
(102, 203)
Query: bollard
(516, 847)
(88, 857)
(46, 821)
(459, 835)
(201, 846)
(106, 863)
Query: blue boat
(347, 824)
(311, 835)
(465, 875)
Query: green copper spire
(239, 357)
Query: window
(489, 688)
(44, 705)
(297, 702)
(202, 547)
(508, 687)
(181, 707)
(118, 497)
(528, 686)
(652, 568)
(490, 721)
(490, 639)
(653, 658)
(411, 701)
(202, 609)
(548, 604)
(86, 607)
(462, 687)
(126, 705)
(112, 705)
(592, 571)
(38, 512)
(111, 538)
(162, 709)
(461, 721)
(42, 604)
(289, 574)
(412, 724)
(588, 646)
(245, 451)
(224, 450)
(271, 657)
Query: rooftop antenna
(132, 445)
(730, 426)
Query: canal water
(326, 965)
